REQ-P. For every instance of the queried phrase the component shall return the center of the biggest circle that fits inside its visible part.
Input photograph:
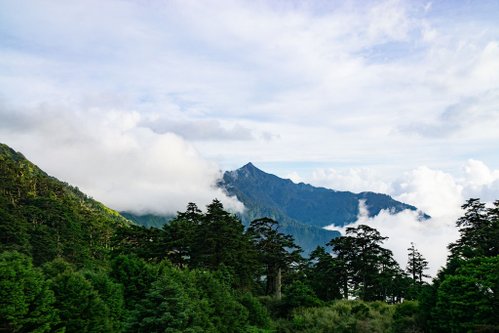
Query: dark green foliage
(135, 275)
(46, 218)
(463, 297)
(26, 302)
(298, 294)
(367, 270)
(201, 271)
(13, 231)
(112, 294)
(145, 243)
(226, 313)
(167, 307)
(467, 300)
(55, 267)
(276, 251)
(406, 318)
(221, 240)
(324, 275)
(179, 235)
(258, 315)
(193, 301)
(79, 305)
(210, 241)
(479, 229)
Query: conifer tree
(276, 252)
(367, 267)
(178, 238)
(220, 240)
(416, 265)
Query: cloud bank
(435, 192)
(109, 156)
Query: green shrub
(405, 318)
(341, 317)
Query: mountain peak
(248, 166)
(249, 169)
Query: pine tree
(367, 268)
(178, 238)
(324, 274)
(479, 231)
(219, 240)
(416, 265)
(276, 251)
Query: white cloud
(353, 179)
(431, 237)
(478, 174)
(388, 20)
(435, 192)
(294, 177)
(480, 181)
(110, 157)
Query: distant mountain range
(301, 209)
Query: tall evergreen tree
(220, 240)
(366, 265)
(276, 251)
(324, 274)
(179, 236)
(416, 265)
(478, 230)
(464, 294)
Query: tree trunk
(278, 284)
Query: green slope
(46, 218)
(148, 220)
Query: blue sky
(142, 103)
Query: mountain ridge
(249, 183)
(303, 210)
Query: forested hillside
(46, 218)
(69, 264)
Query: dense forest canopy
(70, 264)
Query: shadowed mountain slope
(302, 209)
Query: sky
(143, 104)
